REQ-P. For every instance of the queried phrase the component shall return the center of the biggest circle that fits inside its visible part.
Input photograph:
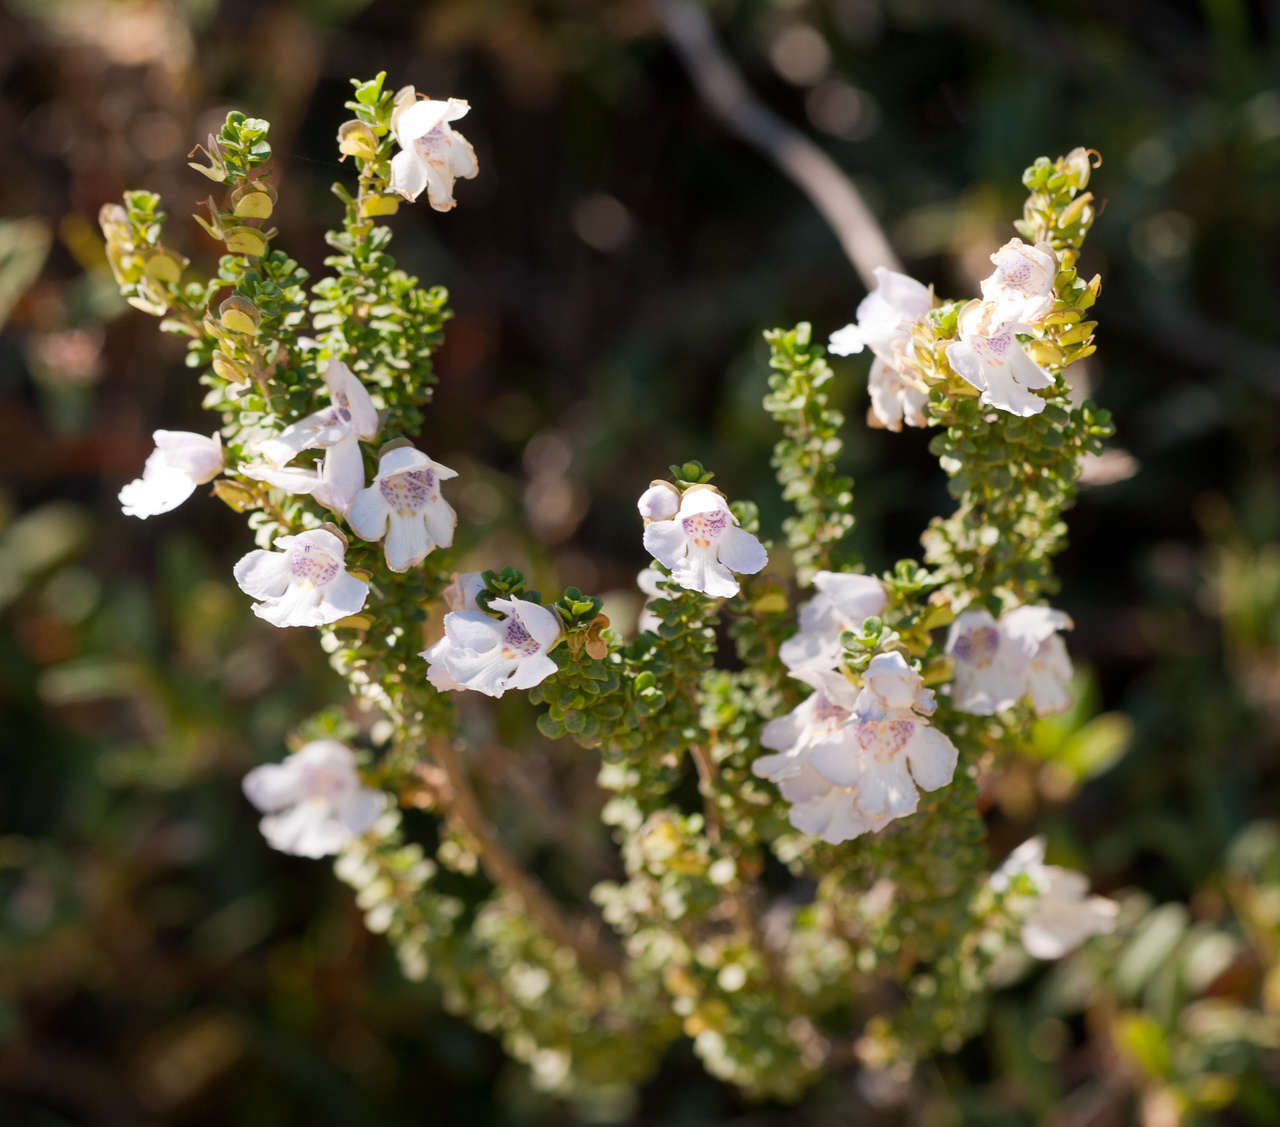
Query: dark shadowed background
(611, 271)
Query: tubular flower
(304, 584)
(703, 545)
(819, 717)
(337, 431)
(1061, 915)
(843, 602)
(431, 154)
(885, 317)
(998, 663)
(894, 401)
(1022, 288)
(871, 767)
(180, 462)
(490, 655)
(463, 589)
(313, 801)
(403, 503)
(989, 356)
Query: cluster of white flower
(851, 761)
(846, 757)
(313, 800)
(1059, 914)
(988, 355)
(304, 581)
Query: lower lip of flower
(409, 492)
(883, 739)
(705, 528)
(312, 568)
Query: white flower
(305, 584)
(843, 602)
(659, 502)
(431, 154)
(894, 401)
(1034, 633)
(313, 801)
(648, 581)
(180, 462)
(337, 431)
(1063, 914)
(852, 766)
(403, 503)
(1022, 286)
(703, 545)
(819, 717)
(885, 317)
(462, 591)
(998, 663)
(491, 655)
(989, 356)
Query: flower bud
(1078, 166)
(659, 502)
(239, 315)
(1074, 212)
(356, 139)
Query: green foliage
(700, 945)
(805, 457)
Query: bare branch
(816, 174)
(505, 871)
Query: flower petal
(932, 757)
(740, 551)
(344, 596)
(368, 513)
(665, 541)
(407, 542)
(262, 574)
(408, 174)
(274, 785)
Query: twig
(718, 81)
(505, 871)
(740, 898)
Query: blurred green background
(611, 271)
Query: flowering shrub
(843, 751)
